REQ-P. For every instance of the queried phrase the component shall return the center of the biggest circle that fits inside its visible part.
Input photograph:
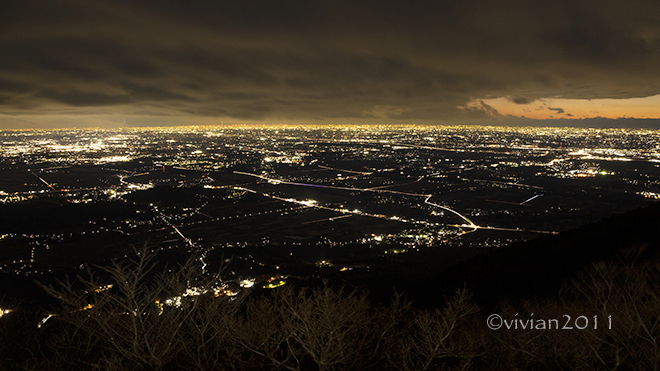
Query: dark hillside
(537, 268)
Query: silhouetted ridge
(538, 267)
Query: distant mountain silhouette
(537, 267)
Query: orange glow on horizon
(555, 108)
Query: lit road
(531, 198)
(372, 189)
(328, 219)
(166, 220)
(344, 170)
(309, 203)
(470, 223)
(344, 211)
(312, 203)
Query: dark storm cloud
(520, 100)
(153, 93)
(79, 98)
(310, 60)
(138, 68)
(480, 111)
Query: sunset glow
(555, 108)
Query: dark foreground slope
(614, 308)
(128, 321)
(537, 268)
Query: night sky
(165, 62)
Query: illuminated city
(301, 201)
(329, 185)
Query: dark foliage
(132, 326)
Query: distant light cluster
(395, 189)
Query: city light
(245, 190)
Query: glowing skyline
(554, 108)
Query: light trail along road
(468, 223)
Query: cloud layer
(320, 61)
